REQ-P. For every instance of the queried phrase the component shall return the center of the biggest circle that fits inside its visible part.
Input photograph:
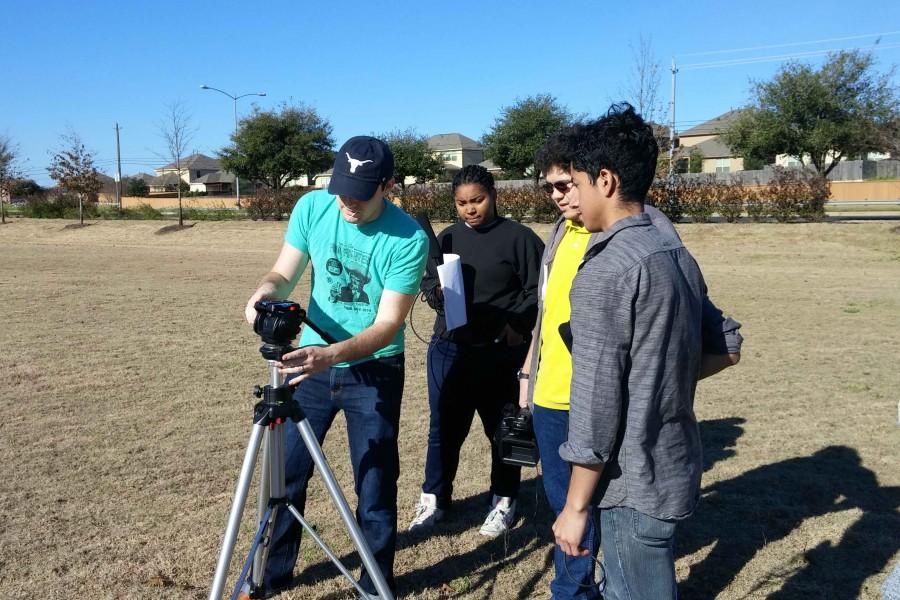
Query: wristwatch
(520, 375)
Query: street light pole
(237, 180)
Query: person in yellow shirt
(545, 377)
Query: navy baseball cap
(362, 164)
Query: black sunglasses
(562, 187)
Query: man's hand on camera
(265, 292)
(303, 362)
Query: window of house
(450, 156)
(723, 165)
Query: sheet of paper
(450, 276)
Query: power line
(771, 46)
(778, 58)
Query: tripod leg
(272, 486)
(237, 510)
(326, 549)
(257, 540)
(262, 499)
(334, 490)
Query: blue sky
(371, 67)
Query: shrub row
(527, 203)
(791, 195)
(273, 204)
(45, 208)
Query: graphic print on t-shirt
(348, 274)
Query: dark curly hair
(556, 152)
(475, 174)
(621, 142)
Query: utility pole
(672, 124)
(118, 172)
(237, 180)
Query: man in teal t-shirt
(367, 260)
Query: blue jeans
(551, 428)
(638, 555)
(463, 380)
(369, 394)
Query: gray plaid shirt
(636, 325)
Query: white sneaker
(501, 517)
(427, 513)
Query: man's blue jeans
(551, 428)
(638, 555)
(369, 394)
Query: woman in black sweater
(474, 367)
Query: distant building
(215, 183)
(705, 139)
(491, 167)
(193, 167)
(321, 180)
(456, 150)
(202, 173)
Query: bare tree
(177, 130)
(72, 167)
(9, 172)
(642, 86)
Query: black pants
(463, 380)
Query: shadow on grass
(173, 228)
(744, 514)
(475, 569)
(739, 517)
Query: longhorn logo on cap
(355, 163)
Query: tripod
(269, 418)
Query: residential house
(491, 168)
(705, 139)
(321, 180)
(456, 150)
(193, 167)
(215, 183)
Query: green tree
(412, 157)
(752, 163)
(26, 188)
(521, 129)
(695, 161)
(838, 111)
(72, 167)
(277, 146)
(135, 186)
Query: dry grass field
(125, 400)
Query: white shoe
(427, 513)
(501, 517)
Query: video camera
(515, 439)
(278, 321)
